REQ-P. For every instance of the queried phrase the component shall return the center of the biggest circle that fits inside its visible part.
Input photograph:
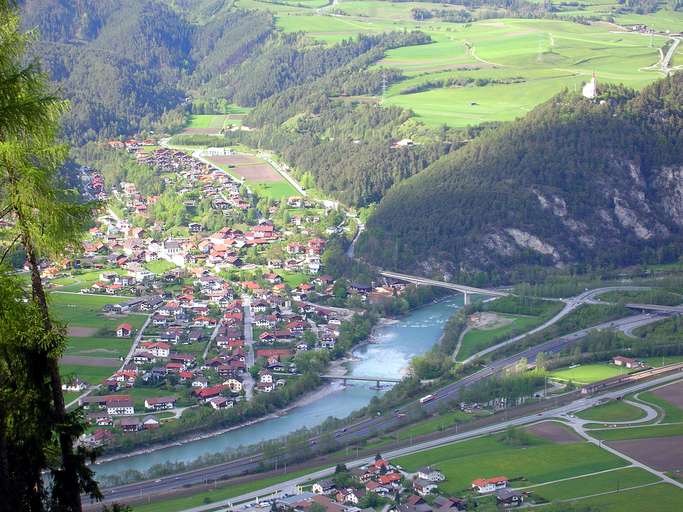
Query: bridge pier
(467, 298)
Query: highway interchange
(387, 422)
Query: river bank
(396, 343)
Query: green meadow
(588, 373)
(661, 497)
(479, 339)
(211, 121)
(91, 374)
(618, 434)
(541, 56)
(615, 410)
(594, 484)
(273, 189)
(672, 413)
(540, 461)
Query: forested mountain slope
(124, 63)
(575, 181)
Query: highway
(587, 297)
(371, 425)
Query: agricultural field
(666, 497)
(594, 484)
(662, 453)
(538, 462)
(508, 65)
(645, 432)
(614, 410)
(588, 373)
(669, 399)
(259, 175)
(79, 279)
(205, 124)
(93, 351)
(90, 374)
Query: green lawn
(659, 498)
(93, 375)
(86, 311)
(672, 413)
(208, 121)
(273, 189)
(293, 279)
(615, 410)
(485, 457)
(588, 373)
(589, 485)
(479, 339)
(159, 266)
(662, 361)
(98, 346)
(617, 434)
(433, 424)
(223, 493)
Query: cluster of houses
(383, 479)
(417, 492)
(118, 410)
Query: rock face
(574, 182)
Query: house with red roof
(485, 485)
(124, 330)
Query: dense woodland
(128, 65)
(579, 181)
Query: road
(211, 340)
(442, 284)
(248, 381)
(669, 55)
(350, 251)
(571, 304)
(372, 425)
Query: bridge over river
(361, 378)
(464, 289)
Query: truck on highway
(426, 399)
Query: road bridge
(464, 289)
(656, 307)
(344, 378)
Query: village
(388, 486)
(226, 311)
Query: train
(629, 378)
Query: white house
(431, 474)
(120, 406)
(485, 485)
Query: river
(395, 344)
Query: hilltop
(573, 182)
